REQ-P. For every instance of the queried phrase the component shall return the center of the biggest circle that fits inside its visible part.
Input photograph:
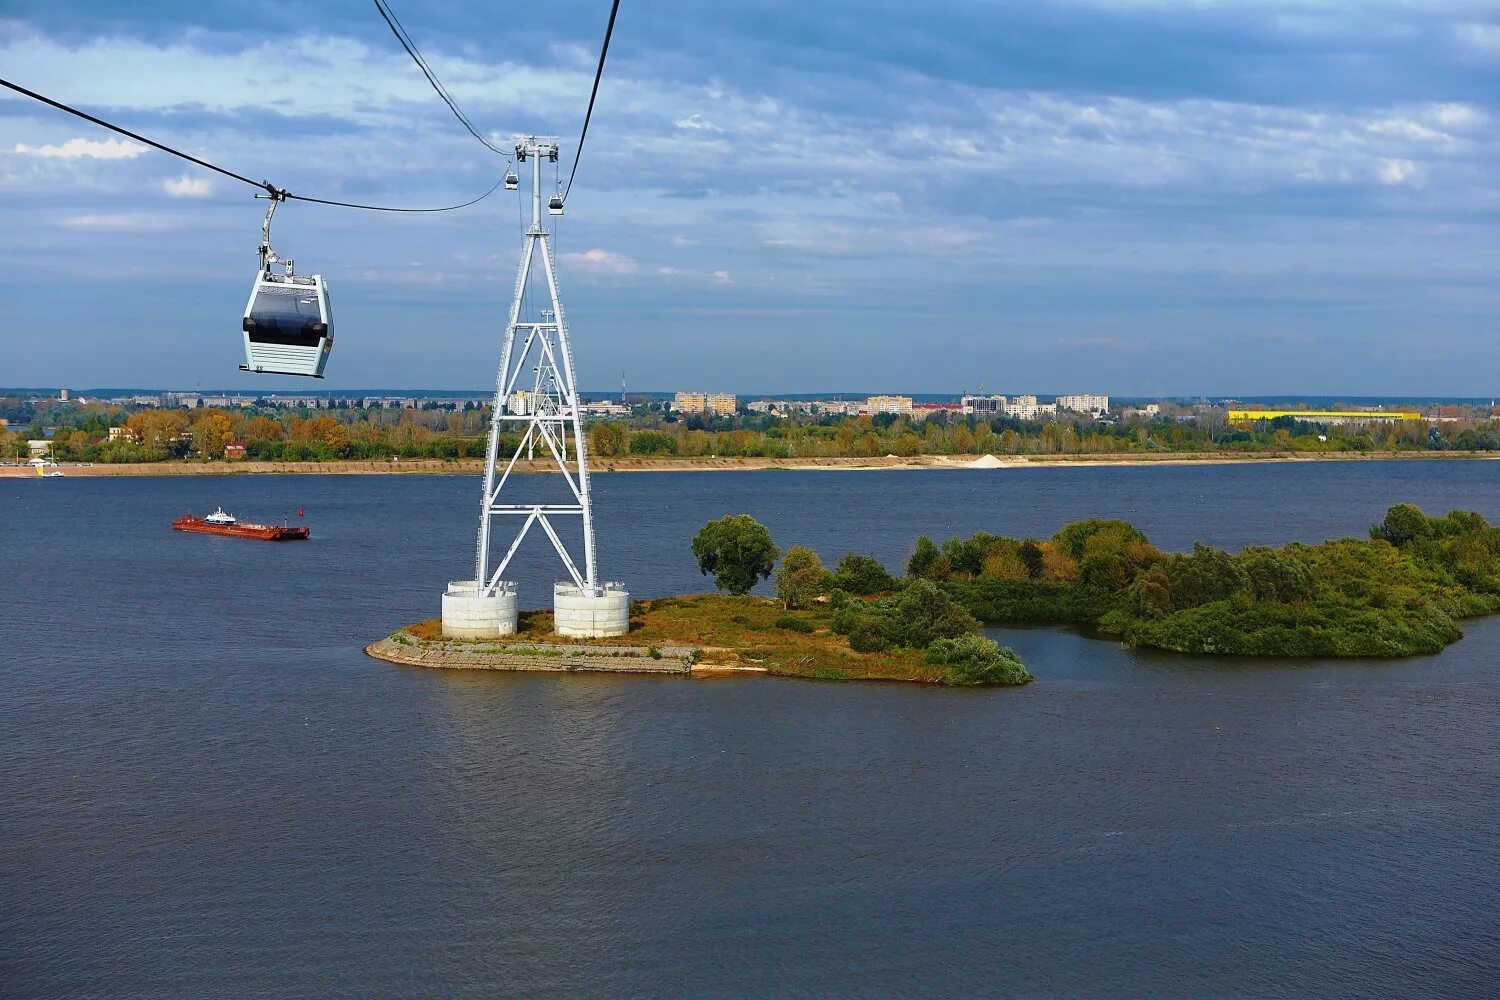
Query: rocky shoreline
(408, 650)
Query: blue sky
(1130, 196)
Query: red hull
(263, 532)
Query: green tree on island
(801, 578)
(862, 575)
(737, 551)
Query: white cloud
(187, 187)
(1394, 172)
(119, 220)
(1482, 37)
(1456, 115)
(697, 123)
(94, 149)
(722, 278)
(313, 73)
(668, 272)
(599, 261)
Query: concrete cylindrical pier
(576, 613)
(466, 615)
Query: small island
(699, 634)
(1400, 592)
(806, 631)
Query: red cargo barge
(220, 523)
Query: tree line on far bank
(151, 435)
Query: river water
(207, 790)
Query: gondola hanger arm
(274, 196)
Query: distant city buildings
(1026, 407)
(1023, 407)
(899, 405)
(720, 403)
(1084, 403)
(522, 401)
(923, 411)
(607, 408)
(193, 401)
(987, 407)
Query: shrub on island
(972, 659)
(912, 618)
(864, 575)
(794, 624)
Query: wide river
(207, 790)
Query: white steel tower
(536, 408)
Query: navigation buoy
(299, 511)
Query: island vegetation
(729, 631)
(1399, 592)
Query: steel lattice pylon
(544, 407)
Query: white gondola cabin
(288, 325)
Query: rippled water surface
(207, 790)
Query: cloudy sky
(1130, 196)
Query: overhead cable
(138, 138)
(598, 74)
(385, 208)
(271, 190)
(394, 23)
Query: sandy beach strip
(474, 466)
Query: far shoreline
(475, 466)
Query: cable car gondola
(555, 206)
(288, 325)
(511, 180)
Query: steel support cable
(609, 31)
(266, 186)
(138, 138)
(386, 208)
(397, 29)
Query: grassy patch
(728, 630)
